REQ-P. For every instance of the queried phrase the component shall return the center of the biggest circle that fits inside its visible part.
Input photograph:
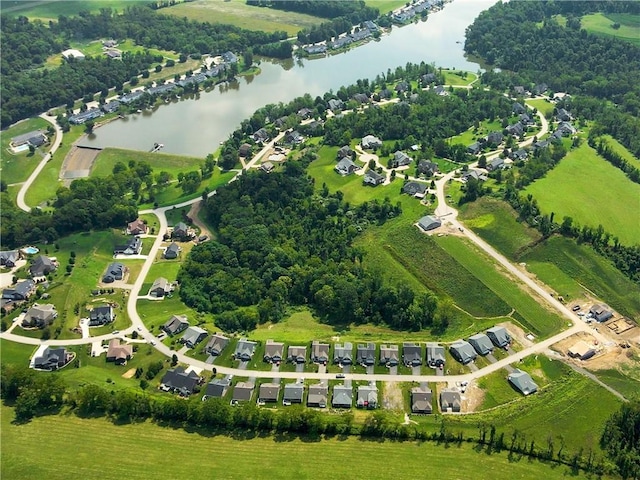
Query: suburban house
(297, 354)
(160, 287)
(193, 336)
(518, 155)
(9, 258)
(261, 136)
(273, 351)
(131, 97)
(242, 392)
(244, 350)
(115, 272)
(429, 222)
(366, 354)
(385, 94)
(581, 350)
(293, 393)
(389, 355)
(499, 336)
(495, 164)
(132, 247)
(73, 53)
(21, 291)
(435, 355)
(101, 315)
(344, 152)
(42, 266)
(216, 388)
(342, 397)
(335, 105)
(473, 174)
(268, 392)
(563, 115)
(522, 382)
(294, 137)
(415, 189)
(525, 119)
(402, 86)
(244, 150)
(39, 316)
(119, 353)
(367, 396)
(176, 324)
(427, 79)
(137, 227)
(540, 88)
(182, 232)
(462, 351)
(495, 138)
(343, 353)
(474, 148)
(361, 98)
(318, 395)
(180, 381)
(111, 106)
(411, 354)
(319, 352)
(52, 359)
(373, 178)
(370, 141)
(540, 144)
(481, 344)
(518, 108)
(346, 167)
(440, 90)
(229, 57)
(565, 128)
(400, 159)
(216, 344)
(304, 113)
(421, 400)
(601, 313)
(315, 49)
(450, 400)
(83, 117)
(515, 129)
(35, 138)
(172, 251)
(427, 167)
(519, 90)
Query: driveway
(6, 278)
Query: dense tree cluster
(614, 158)
(29, 392)
(318, 8)
(621, 439)
(279, 244)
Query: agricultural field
(239, 456)
(174, 164)
(238, 13)
(16, 168)
(569, 190)
(600, 24)
(51, 10)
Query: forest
(279, 245)
(320, 8)
(28, 89)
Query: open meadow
(601, 24)
(593, 192)
(51, 10)
(91, 445)
(174, 164)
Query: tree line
(614, 158)
(318, 8)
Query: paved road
(56, 143)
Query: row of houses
(409, 12)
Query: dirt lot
(392, 398)
(78, 163)
(607, 356)
(129, 373)
(472, 398)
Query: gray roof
(162, 284)
(343, 353)
(172, 251)
(414, 188)
(20, 291)
(462, 351)
(216, 344)
(370, 141)
(179, 380)
(601, 313)
(101, 315)
(523, 382)
(293, 392)
(273, 350)
(429, 222)
(318, 394)
(450, 400)
(389, 354)
(421, 400)
(367, 396)
(342, 396)
(346, 166)
(412, 354)
(269, 392)
(366, 353)
(9, 257)
(374, 178)
(499, 336)
(243, 391)
(175, 324)
(435, 355)
(41, 266)
(25, 137)
(400, 159)
(319, 351)
(244, 350)
(217, 387)
(115, 271)
(193, 335)
(51, 358)
(481, 343)
(297, 353)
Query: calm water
(197, 126)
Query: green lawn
(174, 164)
(17, 167)
(15, 353)
(385, 6)
(243, 455)
(542, 105)
(238, 13)
(473, 135)
(622, 150)
(593, 192)
(155, 313)
(626, 382)
(51, 10)
(600, 24)
(458, 77)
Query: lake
(196, 126)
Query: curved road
(446, 212)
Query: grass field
(174, 164)
(458, 77)
(241, 456)
(622, 150)
(600, 24)
(472, 135)
(51, 10)
(570, 190)
(17, 167)
(626, 382)
(238, 13)
(385, 6)
(542, 105)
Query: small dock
(156, 147)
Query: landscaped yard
(17, 167)
(542, 105)
(569, 190)
(245, 455)
(174, 164)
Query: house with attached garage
(519, 155)
(101, 315)
(401, 87)
(495, 138)
(35, 138)
(303, 113)
(462, 351)
(40, 316)
(518, 108)
(119, 353)
(366, 354)
(193, 335)
(450, 400)
(293, 393)
(242, 392)
(581, 350)
(345, 152)
(343, 353)
(435, 355)
(132, 247)
(294, 137)
(244, 150)
(216, 388)
(9, 258)
(421, 400)
(400, 159)
(389, 355)
(346, 167)
(335, 105)
(415, 189)
(601, 313)
(175, 325)
(563, 115)
(182, 232)
(481, 343)
(361, 98)
(319, 352)
(161, 287)
(52, 359)
(42, 266)
(474, 148)
(342, 397)
(367, 396)
(20, 292)
(473, 174)
(137, 227)
(411, 354)
(318, 395)
(180, 381)
(427, 167)
(499, 336)
(373, 178)
(522, 382)
(297, 354)
(515, 129)
(273, 351)
(216, 344)
(429, 222)
(261, 136)
(495, 164)
(172, 251)
(268, 392)
(244, 350)
(370, 141)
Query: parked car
(340, 375)
(576, 308)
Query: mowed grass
(593, 192)
(174, 164)
(542, 105)
(622, 150)
(51, 10)
(91, 445)
(15, 353)
(458, 77)
(385, 6)
(17, 167)
(238, 13)
(542, 321)
(599, 24)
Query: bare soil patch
(129, 373)
(517, 333)
(472, 398)
(78, 162)
(392, 399)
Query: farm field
(239, 456)
(238, 13)
(17, 167)
(600, 24)
(174, 164)
(51, 10)
(568, 190)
